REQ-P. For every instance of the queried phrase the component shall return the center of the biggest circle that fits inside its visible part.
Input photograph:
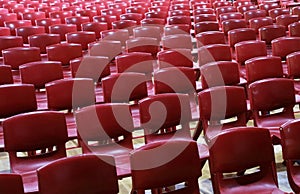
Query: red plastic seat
(48, 9)
(240, 34)
(143, 44)
(112, 11)
(62, 30)
(125, 25)
(96, 27)
(231, 111)
(296, 10)
(135, 9)
(199, 11)
(292, 61)
(105, 18)
(33, 16)
(179, 13)
(98, 125)
(257, 13)
(43, 139)
(82, 38)
(204, 17)
(206, 26)
(77, 20)
(258, 68)
(294, 29)
(43, 40)
(244, 8)
(175, 58)
(290, 150)
(19, 55)
(4, 31)
(60, 15)
(148, 31)
(228, 25)
(248, 49)
(10, 42)
(6, 76)
(217, 4)
(269, 33)
(214, 52)
(210, 37)
(7, 17)
(239, 149)
(179, 20)
(181, 6)
(262, 105)
(172, 170)
(124, 87)
(11, 183)
(13, 25)
(27, 31)
(257, 23)
(121, 35)
(106, 48)
(132, 16)
(225, 9)
(64, 52)
(96, 174)
(177, 41)
(47, 22)
(268, 6)
(176, 29)
(230, 16)
(273, 13)
(285, 45)
(286, 20)
(153, 22)
(86, 13)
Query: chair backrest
(105, 48)
(70, 94)
(175, 58)
(210, 37)
(206, 26)
(214, 52)
(294, 29)
(177, 41)
(293, 61)
(43, 40)
(6, 76)
(269, 33)
(228, 25)
(165, 163)
(143, 44)
(240, 34)
(161, 113)
(17, 98)
(81, 174)
(11, 183)
(239, 149)
(109, 124)
(217, 105)
(42, 135)
(285, 45)
(248, 49)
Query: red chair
(96, 27)
(27, 31)
(210, 37)
(94, 67)
(257, 23)
(62, 30)
(60, 15)
(43, 40)
(290, 151)
(240, 34)
(7, 17)
(229, 16)
(176, 29)
(296, 10)
(112, 11)
(285, 45)
(177, 41)
(11, 183)
(292, 61)
(248, 49)
(259, 68)
(43, 138)
(206, 26)
(64, 52)
(6, 76)
(171, 170)
(134, 9)
(100, 129)
(228, 25)
(105, 48)
(4, 31)
(10, 42)
(48, 9)
(294, 29)
(204, 17)
(77, 20)
(217, 4)
(121, 35)
(257, 13)
(105, 18)
(179, 13)
(225, 9)
(181, 6)
(87, 13)
(82, 38)
(244, 8)
(261, 104)
(19, 55)
(239, 149)
(125, 25)
(148, 31)
(273, 13)
(33, 16)
(13, 25)
(47, 22)
(77, 93)
(143, 44)
(269, 33)
(214, 52)
(179, 20)
(202, 11)
(153, 22)
(220, 73)
(132, 16)
(268, 6)
(286, 20)
(124, 87)
(231, 111)
(88, 178)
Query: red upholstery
(13, 25)
(203, 11)
(248, 49)
(48, 9)
(11, 183)
(229, 16)
(82, 38)
(172, 170)
(62, 30)
(47, 22)
(64, 52)
(87, 13)
(239, 149)
(268, 6)
(27, 31)
(285, 45)
(290, 150)
(244, 8)
(106, 48)
(214, 52)
(261, 104)
(269, 33)
(210, 37)
(19, 55)
(9, 42)
(292, 61)
(177, 29)
(225, 9)
(99, 130)
(179, 20)
(180, 13)
(217, 4)
(124, 24)
(240, 34)
(43, 40)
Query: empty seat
(87, 13)
(233, 24)
(292, 61)
(175, 58)
(60, 15)
(244, 8)
(6, 76)
(285, 45)
(257, 23)
(269, 33)
(177, 41)
(47, 22)
(268, 6)
(229, 16)
(204, 17)
(43, 40)
(7, 17)
(257, 13)
(27, 31)
(147, 31)
(19, 55)
(96, 27)
(106, 48)
(4, 31)
(143, 44)
(294, 29)
(132, 16)
(206, 26)
(13, 25)
(214, 52)
(10, 42)
(82, 38)
(273, 13)
(77, 20)
(121, 35)
(64, 52)
(62, 30)
(285, 20)
(179, 20)
(248, 49)
(210, 37)
(33, 16)
(176, 29)
(125, 25)
(199, 11)
(11, 183)
(240, 34)
(105, 18)
(225, 9)
(179, 13)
